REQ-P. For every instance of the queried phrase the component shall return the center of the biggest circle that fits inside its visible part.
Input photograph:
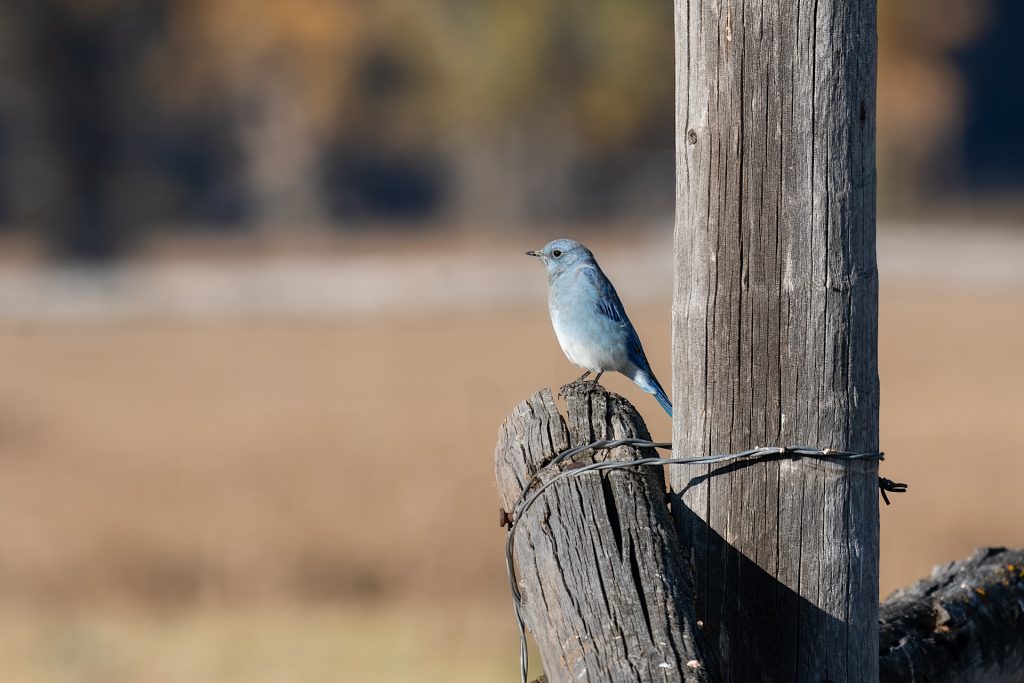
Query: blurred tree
(536, 88)
(75, 60)
(921, 96)
(993, 141)
(388, 161)
(283, 68)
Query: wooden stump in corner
(964, 623)
(605, 593)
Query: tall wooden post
(775, 328)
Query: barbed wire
(527, 499)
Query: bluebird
(591, 325)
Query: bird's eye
(556, 253)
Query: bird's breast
(589, 339)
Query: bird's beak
(533, 253)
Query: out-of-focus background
(263, 306)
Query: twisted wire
(528, 498)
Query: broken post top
(605, 591)
(592, 413)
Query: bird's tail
(649, 383)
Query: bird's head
(560, 254)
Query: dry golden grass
(221, 468)
(258, 645)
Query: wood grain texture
(605, 594)
(965, 623)
(775, 328)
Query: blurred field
(255, 645)
(263, 306)
(264, 499)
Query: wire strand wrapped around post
(550, 475)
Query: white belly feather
(581, 351)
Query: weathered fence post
(605, 593)
(774, 331)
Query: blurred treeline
(119, 118)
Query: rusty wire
(528, 498)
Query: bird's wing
(609, 305)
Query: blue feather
(609, 304)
